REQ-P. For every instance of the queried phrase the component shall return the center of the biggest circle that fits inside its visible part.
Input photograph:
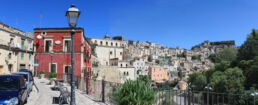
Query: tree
(247, 59)
(228, 54)
(180, 55)
(208, 73)
(251, 73)
(248, 50)
(218, 81)
(198, 81)
(196, 57)
(214, 58)
(225, 54)
(222, 66)
(138, 92)
(229, 81)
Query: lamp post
(254, 94)
(72, 14)
(208, 89)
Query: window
(68, 70)
(22, 55)
(53, 68)
(22, 82)
(121, 65)
(9, 84)
(36, 61)
(29, 43)
(44, 33)
(22, 44)
(11, 39)
(67, 46)
(111, 52)
(116, 44)
(48, 45)
(126, 65)
(111, 43)
(10, 55)
(121, 53)
(22, 66)
(107, 43)
(29, 56)
(100, 42)
(95, 41)
(10, 68)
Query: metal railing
(189, 97)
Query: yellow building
(16, 49)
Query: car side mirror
(24, 87)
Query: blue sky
(170, 22)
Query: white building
(140, 67)
(107, 49)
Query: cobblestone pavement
(45, 95)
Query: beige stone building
(106, 48)
(16, 49)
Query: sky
(183, 23)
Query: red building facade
(53, 52)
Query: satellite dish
(39, 36)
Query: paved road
(45, 95)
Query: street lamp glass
(72, 15)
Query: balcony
(14, 46)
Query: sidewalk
(45, 95)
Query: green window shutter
(22, 55)
(22, 45)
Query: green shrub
(52, 75)
(138, 92)
(42, 72)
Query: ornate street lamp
(72, 14)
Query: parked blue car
(29, 71)
(27, 77)
(13, 90)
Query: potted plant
(52, 77)
(42, 74)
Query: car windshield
(25, 76)
(9, 84)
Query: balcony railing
(14, 46)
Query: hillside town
(66, 65)
(112, 59)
